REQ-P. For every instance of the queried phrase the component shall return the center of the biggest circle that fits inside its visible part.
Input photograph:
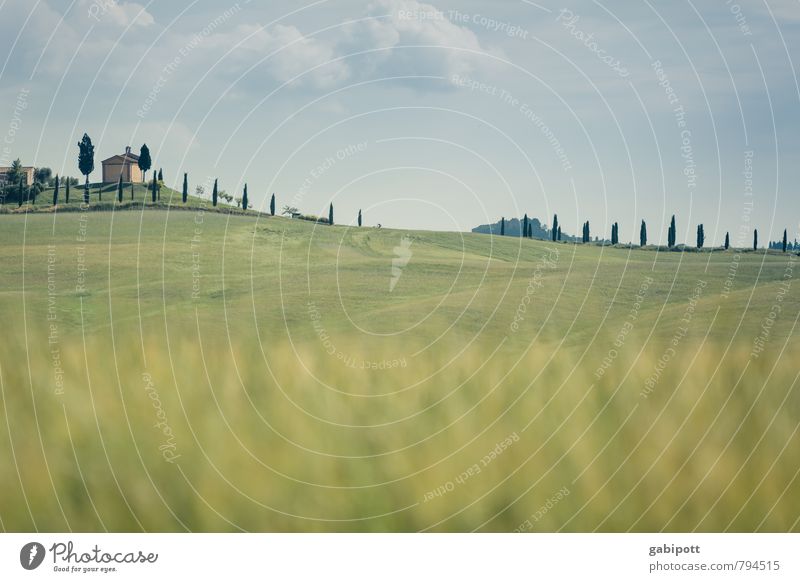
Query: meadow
(167, 370)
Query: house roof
(129, 156)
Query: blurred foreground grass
(211, 380)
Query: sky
(442, 115)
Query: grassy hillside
(105, 197)
(190, 370)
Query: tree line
(700, 240)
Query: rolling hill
(213, 371)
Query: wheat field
(173, 371)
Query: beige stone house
(27, 172)
(125, 165)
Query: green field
(171, 371)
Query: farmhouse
(27, 172)
(124, 165)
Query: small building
(125, 165)
(27, 172)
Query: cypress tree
(244, 198)
(785, 240)
(530, 230)
(559, 233)
(119, 189)
(330, 214)
(503, 226)
(55, 199)
(272, 205)
(20, 193)
(555, 227)
(359, 218)
(214, 194)
(671, 233)
(144, 161)
(727, 241)
(160, 175)
(755, 239)
(86, 162)
(643, 235)
(155, 188)
(66, 191)
(701, 236)
(525, 225)
(185, 194)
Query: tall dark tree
(559, 234)
(66, 191)
(727, 241)
(643, 234)
(144, 162)
(755, 239)
(272, 205)
(214, 194)
(530, 230)
(701, 236)
(160, 175)
(86, 162)
(525, 225)
(55, 191)
(671, 233)
(154, 188)
(359, 218)
(555, 227)
(34, 190)
(185, 193)
(503, 226)
(244, 198)
(20, 192)
(785, 240)
(119, 189)
(330, 214)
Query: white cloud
(400, 25)
(121, 14)
(295, 55)
(387, 37)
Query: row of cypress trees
(155, 194)
(671, 233)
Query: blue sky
(440, 115)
